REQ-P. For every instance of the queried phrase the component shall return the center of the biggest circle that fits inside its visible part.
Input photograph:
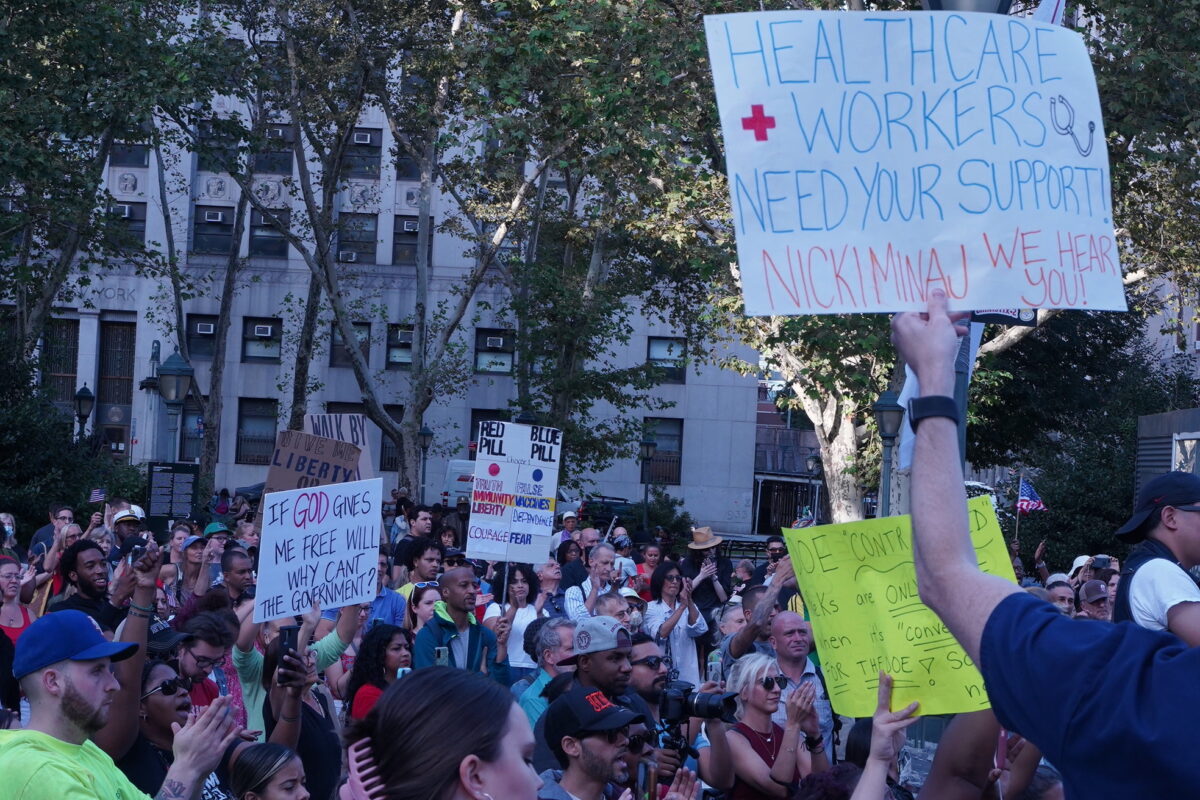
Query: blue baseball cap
(189, 541)
(65, 636)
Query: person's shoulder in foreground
(1086, 690)
(34, 766)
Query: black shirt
(107, 616)
(319, 748)
(146, 767)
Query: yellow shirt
(406, 591)
(35, 766)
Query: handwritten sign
(352, 428)
(514, 491)
(860, 587)
(873, 157)
(319, 545)
(302, 460)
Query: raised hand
(201, 743)
(887, 726)
(685, 786)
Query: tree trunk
(304, 351)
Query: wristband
(148, 609)
(920, 408)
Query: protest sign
(873, 157)
(513, 494)
(860, 588)
(319, 545)
(302, 460)
(352, 428)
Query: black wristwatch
(920, 408)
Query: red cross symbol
(758, 122)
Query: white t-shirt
(517, 657)
(1158, 586)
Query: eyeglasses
(652, 662)
(206, 663)
(65, 519)
(673, 578)
(775, 680)
(638, 742)
(170, 687)
(423, 584)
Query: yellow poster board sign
(860, 588)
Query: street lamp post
(526, 417)
(174, 382)
(85, 401)
(425, 437)
(889, 414)
(646, 450)
(815, 469)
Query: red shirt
(364, 700)
(203, 693)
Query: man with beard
(649, 680)
(83, 566)
(64, 664)
(589, 735)
(454, 626)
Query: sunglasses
(774, 680)
(454, 562)
(638, 742)
(673, 578)
(652, 662)
(612, 736)
(169, 688)
(423, 584)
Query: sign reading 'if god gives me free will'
(873, 157)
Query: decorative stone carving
(216, 187)
(268, 191)
(362, 194)
(127, 183)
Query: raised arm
(948, 576)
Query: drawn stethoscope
(1069, 128)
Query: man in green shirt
(555, 642)
(64, 665)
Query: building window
(407, 168)
(60, 355)
(115, 386)
(665, 466)
(256, 431)
(216, 151)
(404, 241)
(667, 353)
(399, 346)
(212, 230)
(191, 433)
(494, 350)
(479, 415)
(389, 455)
(275, 157)
(265, 239)
(201, 335)
(357, 237)
(127, 223)
(129, 155)
(363, 154)
(339, 356)
(262, 339)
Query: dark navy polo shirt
(1112, 706)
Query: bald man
(791, 636)
(454, 626)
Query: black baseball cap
(580, 711)
(1171, 489)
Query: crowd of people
(131, 667)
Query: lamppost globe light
(425, 436)
(647, 448)
(85, 401)
(889, 414)
(175, 379)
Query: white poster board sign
(319, 544)
(513, 494)
(352, 428)
(873, 157)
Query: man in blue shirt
(1089, 694)
(387, 605)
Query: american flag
(1028, 499)
(97, 496)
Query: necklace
(767, 739)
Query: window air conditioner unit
(404, 337)
(347, 255)
(214, 216)
(362, 138)
(122, 210)
(495, 341)
(274, 132)
(205, 328)
(411, 226)
(263, 331)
